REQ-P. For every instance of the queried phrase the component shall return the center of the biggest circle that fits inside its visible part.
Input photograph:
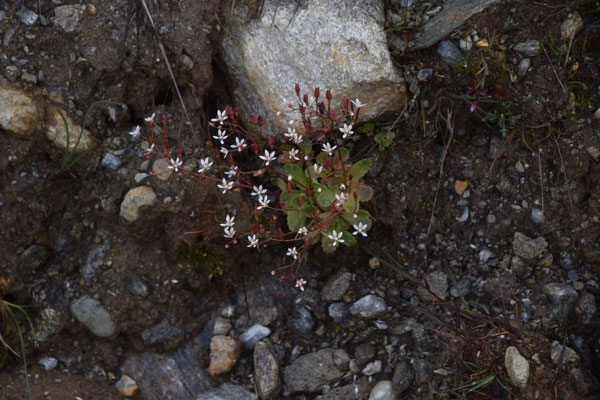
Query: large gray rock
(266, 372)
(339, 46)
(311, 371)
(528, 248)
(135, 199)
(336, 286)
(562, 296)
(369, 306)
(20, 114)
(96, 318)
(454, 14)
(517, 367)
(227, 391)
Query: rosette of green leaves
(309, 200)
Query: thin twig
(541, 177)
(168, 64)
(444, 153)
(562, 163)
(553, 69)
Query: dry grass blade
(168, 64)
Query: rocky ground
(479, 278)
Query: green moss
(201, 260)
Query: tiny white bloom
(229, 233)
(297, 139)
(358, 104)
(317, 168)
(293, 154)
(292, 252)
(253, 241)
(224, 151)
(239, 144)
(346, 130)
(232, 172)
(303, 231)
(300, 284)
(221, 136)
(229, 221)
(341, 199)
(150, 119)
(336, 237)
(291, 133)
(175, 164)
(220, 117)
(258, 191)
(360, 228)
(150, 149)
(327, 148)
(136, 131)
(268, 157)
(206, 163)
(263, 202)
(290, 178)
(225, 186)
(343, 187)
(291, 122)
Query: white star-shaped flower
(229, 221)
(253, 241)
(221, 136)
(360, 228)
(336, 237)
(225, 186)
(224, 151)
(150, 119)
(150, 149)
(303, 231)
(205, 164)
(175, 164)
(293, 252)
(229, 233)
(291, 133)
(258, 191)
(317, 168)
(293, 154)
(346, 130)
(341, 199)
(263, 202)
(358, 104)
(268, 157)
(239, 144)
(300, 284)
(232, 171)
(327, 148)
(137, 131)
(221, 117)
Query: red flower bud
(345, 102)
(271, 140)
(251, 119)
(179, 152)
(255, 147)
(299, 201)
(308, 127)
(279, 233)
(333, 115)
(151, 125)
(288, 188)
(272, 220)
(328, 95)
(297, 90)
(302, 109)
(230, 160)
(308, 192)
(355, 195)
(217, 155)
(254, 229)
(305, 98)
(236, 110)
(260, 121)
(322, 106)
(316, 93)
(151, 140)
(332, 207)
(164, 118)
(282, 204)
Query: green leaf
(368, 128)
(348, 238)
(297, 174)
(325, 198)
(295, 220)
(364, 192)
(350, 205)
(280, 183)
(362, 216)
(359, 169)
(326, 244)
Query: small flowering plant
(305, 173)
